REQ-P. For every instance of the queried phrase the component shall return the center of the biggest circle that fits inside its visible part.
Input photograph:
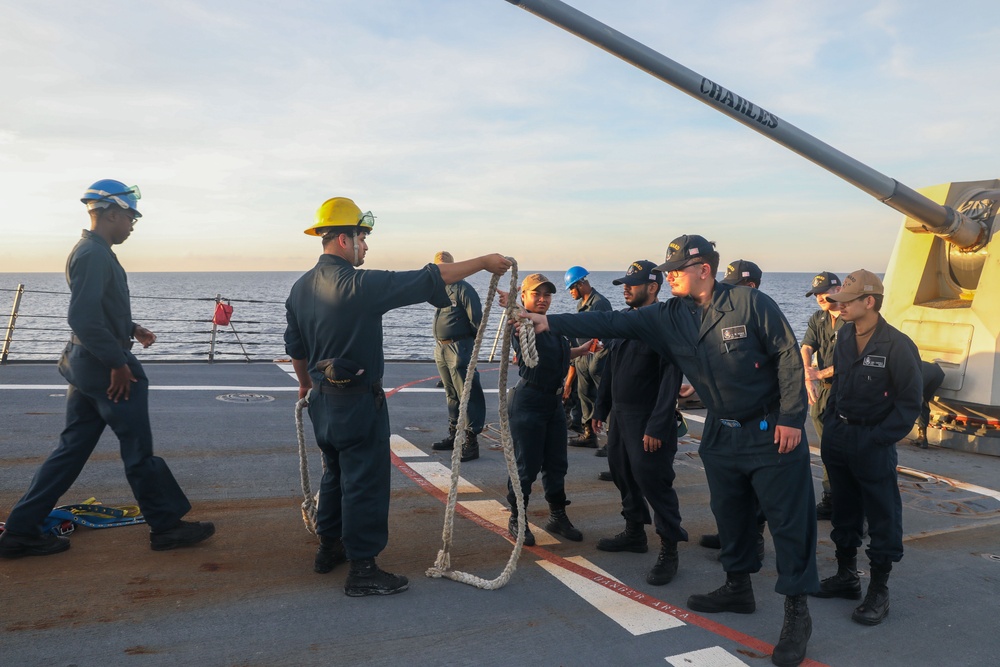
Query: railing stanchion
(496, 340)
(9, 335)
(215, 328)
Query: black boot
(367, 578)
(447, 442)
(560, 524)
(824, 508)
(795, 633)
(470, 448)
(46, 544)
(876, 604)
(845, 584)
(633, 539)
(529, 539)
(585, 439)
(330, 554)
(666, 564)
(735, 595)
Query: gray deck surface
(249, 597)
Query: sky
(475, 126)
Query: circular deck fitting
(993, 557)
(245, 398)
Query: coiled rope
(310, 500)
(526, 334)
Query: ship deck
(249, 596)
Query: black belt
(748, 421)
(857, 422)
(542, 388)
(327, 388)
(449, 341)
(126, 344)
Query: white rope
(442, 566)
(310, 501)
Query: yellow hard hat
(340, 212)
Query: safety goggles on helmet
(104, 193)
(366, 222)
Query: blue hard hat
(574, 275)
(113, 192)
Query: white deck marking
(440, 476)
(403, 448)
(633, 616)
(715, 656)
(498, 514)
(694, 418)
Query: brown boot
(585, 439)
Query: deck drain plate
(244, 398)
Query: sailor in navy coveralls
(874, 400)
(638, 399)
(107, 387)
(334, 337)
(737, 349)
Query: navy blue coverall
(334, 311)
(743, 360)
(874, 401)
(637, 397)
(455, 328)
(538, 422)
(100, 315)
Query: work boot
(16, 546)
(921, 437)
(605, 476)
(330, 554)
(633, 539)
(736, 595)
(367, 578)
(791, 647)
(585, 439)
(576, 427)
(876, 603)
(529, 539)
(666, 564)
(845, 584)
(710, 541)
(184, 534)
(447, 442)
(560, 524)
(470, 448)
(824, 508)
(602, 452)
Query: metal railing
(186, 330)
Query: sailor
(587, 369)
(738, 351)
(637, 398)
(743, 273)
(818, 343)
(334, 337)
(107, 387)
(874, 400)
(537, 419)
(455, 328)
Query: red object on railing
(223, 313)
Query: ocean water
(178, 307)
